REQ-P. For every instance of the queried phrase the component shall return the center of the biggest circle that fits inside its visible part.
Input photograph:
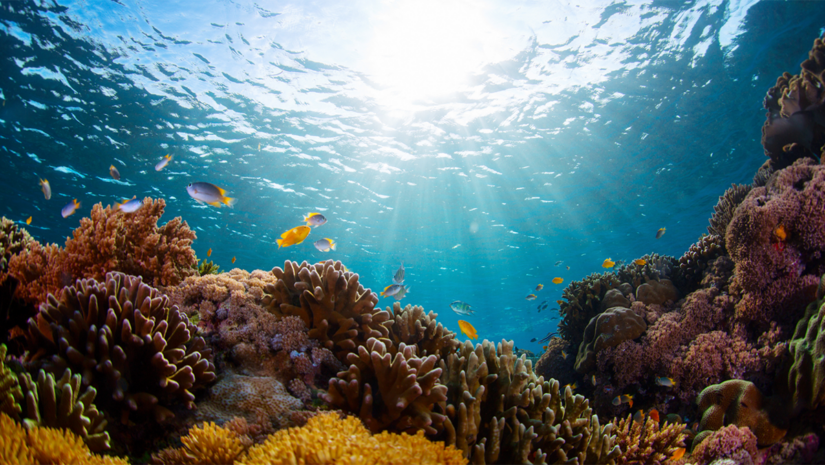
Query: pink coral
(730, 442)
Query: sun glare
(428, 48)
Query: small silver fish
(315, 219)
(204, 192)
(400, 294)
(129, 205)
(398, 277)
(462, 308)
(665, 381)
(70, 208)
(559, 262)
(660, 233)
(325, 245)
(46, 188)
(163, 162)
(391, 290)
(114, 172)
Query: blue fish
(462, 308)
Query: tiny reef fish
(462, 308)
(608, 263)
(398, 277)
(531, 297)
(46, 188)
(233, 259)
(400, 294)
(559, 262)
(70, 208)
(571, 386)
(29, 220)
(315, 219)
(559, 302)
(539, 287)
(558, 280)
(163, 162)
(640, 261)
(259, 146)
(209, 252)
(654, 414)
(568, 267)
(114, 172)
(623, 399)
(294, 236)
(325, 245)
(208, 193)
(467, 329)
(391, 290)
(593, 379)
(665, 381)
(564, 355)
(534, 339)
(660, 233)
(680, 452)
(129, 205)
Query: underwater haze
(478, 142)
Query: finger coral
(336, 308)
(647, 442)
(46, 445)
(412, 326)
(328, 439)
(207, 444)
(122, 337)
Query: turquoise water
(476, 142)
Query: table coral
(796, 110)
(336, 308)
(46, 445)
(122, 337)
(646, 442)
(327, 438)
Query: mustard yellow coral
(207, 444)
(46, 446)
(327, 439)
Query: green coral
(207, 267)
(10, 392)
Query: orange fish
(294, 236)
(233, 259)
(467, 329)
(680, 452)
(640, 261)
(654, 414)
(209, 253)
(29, 220)
(780, 234)
(559, 302)
(558, 280)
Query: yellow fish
(467, 329)
(780, 234)
(540, 287)
(640, 261)
(163, 162)
(233, 259)
(608, 263)
(558, 280)
(209, 252)
(660, 233)
(294, 236)
(29, 220)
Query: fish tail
(332, 245)
(229, 201)
(279, 241)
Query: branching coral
(329, 439)
(13, 240)
(412, 326)
(207, 267)
(39, 270)
(338, 311)
(207, 444)
(646, 442)
(725, 208)
(122, 337)
(46, 446)
(774, 269)
(796, 110)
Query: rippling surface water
(477, 142)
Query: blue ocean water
(479, 143)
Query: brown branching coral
(132, 243)
(13, 240)
(390, 392)
(122, 337)
(46, 446)
(39, 270)
(328, 439)
(412, 326)
(336, 308)
(207, 444)
(59, 403)
(647, 442)
(725, 208)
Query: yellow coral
(46, 446)
(327, 439)
(206, 445)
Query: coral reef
(740, 403)
(13, 240)
(557, 362)
(236, 396)
(731, 442)
(122, 337)
(796, 110)
(207, 444)
(338, 311)
(647, 442)
(725, 208)
(699, 256)
(10, 391)
(328, 439)
(46, 445)
(411, 326)
(608, 329)
(207, 267)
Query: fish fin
(332, 244)
(229, 201)
(279, 241)
(215, 204)
(221, 191)
(76, 203)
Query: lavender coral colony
(116, 349)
